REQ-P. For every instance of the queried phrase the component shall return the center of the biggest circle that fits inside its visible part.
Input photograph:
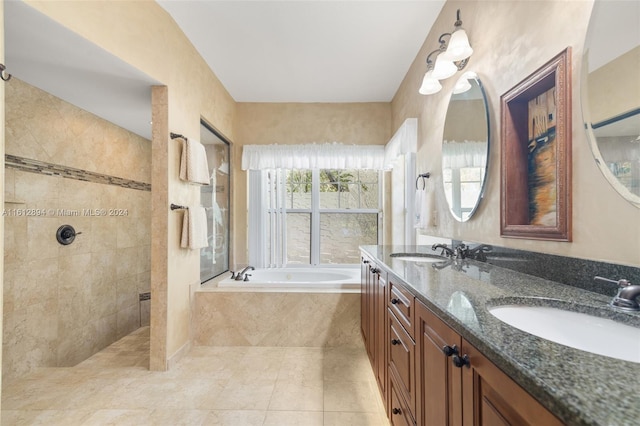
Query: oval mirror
(611, 93)
(465, 147)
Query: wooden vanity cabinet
(427, 373)
(373, 320)
(458, 385)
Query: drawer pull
(461, 361)
(450, 350)
(395, 301)
(395, 342)
(396, 411)
(374, 270)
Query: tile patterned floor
(239, 386)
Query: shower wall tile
(65, 303)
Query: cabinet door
(439, 381)
(364, 278)
(491, 398)
(381, 332)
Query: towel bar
(178, 207)
(423, 176)
(177, 136)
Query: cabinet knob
(450, 350)
(375, 270)
(395, 301)
(396, 411)
(365, 261)
(395, 342)
(461, 361)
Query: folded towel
(193, 163)
(194, 228)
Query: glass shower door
(214, 259)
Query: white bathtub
(295, 279)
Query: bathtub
(297, 279)
(302, 307)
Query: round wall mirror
(465, 147)
(611, 93)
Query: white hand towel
(193, 163)
(419, 210)
(424, 209)
(194, 228)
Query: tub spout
(241, 275)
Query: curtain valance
(313, 156)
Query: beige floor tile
(44, 417)
(119, 418)
(244, 395)
(302, 364)
(350, 396)
(239, 386)
(235, 418)
(293, 418)
(354, 419)
(295, 395)
(166, 417)
(346, 364)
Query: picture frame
(535, 159)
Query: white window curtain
(334, 156)
(458, 155)
(267, 218)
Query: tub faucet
(627, 294)
(445, 250)
(242, 274)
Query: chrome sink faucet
(627, 296)
(242, 275)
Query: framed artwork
(535, 163)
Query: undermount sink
(586, 332)
(418, 257)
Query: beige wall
(142, 34)
(510, 41)
(64, 303)
(299, 123)
(1, 168)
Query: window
(318, 216)
(462, 186)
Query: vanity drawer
(399, 413)
(401, 303)
(401, 360)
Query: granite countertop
(579, 387)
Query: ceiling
(307, 51)
(262, 51)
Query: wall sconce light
(451, 57)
